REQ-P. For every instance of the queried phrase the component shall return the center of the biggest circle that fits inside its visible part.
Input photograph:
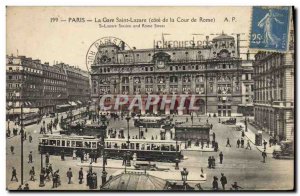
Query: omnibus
(31, 118)
(54, 144)
(149, 121)
(145, 150)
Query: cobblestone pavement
(239, 165)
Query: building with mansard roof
(213, 72)
(275, 92)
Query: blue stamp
(270, 28)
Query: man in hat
(69, 175)
(32, 174)
(30, 157)
(80, 175)
(264, 155)
(223, 181)
(221, 157)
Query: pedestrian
(214, 135)
(202, 143)
(213, 162)
(265, 144)
(47, 173)
(216, 146)
(26, 188)
(30, 138)
(14, 174)
(80, 176)
(228, 143)
(223, 181)
(221, 157)
(248, 145)
(187, 119)
(50, 169)
(242, 142)
(270, 142)
(32, 174)
(62, 155)
(264, 155)
(30, 157)
(215, 184)
(238, 143)
(209, 162)
(69, 175)
(12, 148)
(219, 120)
(74, 155)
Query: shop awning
(72, 103)
(62, 106)
(25, 110)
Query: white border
(4, 3)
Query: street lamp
(184, 173)
(128, 141)
(246, 124)
(185, 130)
(177, 159)
(104, 126)
(42, 180)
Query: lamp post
(104, 173)
(184, 173)
(177, 159)
(42, 180)
(185, 130)
(246, 124)
(128, 141)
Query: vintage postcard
(150, 98)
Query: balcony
(283, 104)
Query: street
(239, 165)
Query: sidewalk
(196, 148)
(250, 134)
(117, 164)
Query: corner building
(212, 72)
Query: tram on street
(145, 150)
(31, 118)
(54, 144)
(149, 121)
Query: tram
(149, 121)
(54, 144)
(145, 150)
(31, 118)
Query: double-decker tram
(55, 144)
(149, 121)
(145, 150)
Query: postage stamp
(270, 28)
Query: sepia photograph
(181, 99)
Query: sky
(31, 33)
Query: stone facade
(38, 86)
(213, 72)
